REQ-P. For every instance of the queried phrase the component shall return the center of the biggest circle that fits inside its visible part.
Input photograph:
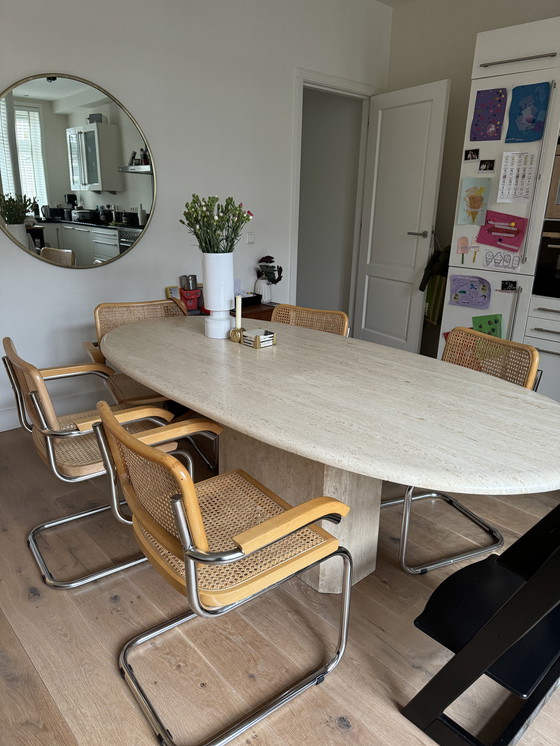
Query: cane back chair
(335, 322)
(221, 543)
(68, 445)
(501, 358)
(63, 257)
(108, 316)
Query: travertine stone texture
(355, 406)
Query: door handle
(424, 234)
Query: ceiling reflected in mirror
(77, 184)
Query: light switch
(250, 238)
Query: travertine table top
(358, 406)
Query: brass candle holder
(236, 334)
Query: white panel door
(405, 146)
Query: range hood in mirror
(82, 140)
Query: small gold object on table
(236, 334)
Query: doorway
(334, 127)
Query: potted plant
(217, 228)
(13, 209)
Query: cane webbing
(110, 315)
(335, 322)
(125, 388)
(79, 455)
(497, 357)
(229, 505)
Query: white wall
(212, 83)
(434, 39)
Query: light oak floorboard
(59, 681)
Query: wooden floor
(59, 682)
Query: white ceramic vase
(217, 275)
(263, 289)
(17, 230)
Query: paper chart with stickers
(517, 177)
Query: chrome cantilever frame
(192, 556)
(116, 502)
(406, 502)
(46, 574)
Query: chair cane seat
(229, 505)
(80, 456)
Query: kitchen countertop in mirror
(90, 152)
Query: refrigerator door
(492, 302)
(499, 177)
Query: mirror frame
(69, 76)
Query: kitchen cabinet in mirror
(83, 162)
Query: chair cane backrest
(149, 478)
(29, 380)
(111, 315)
(510, 361)
(335, 322)
(64, 257)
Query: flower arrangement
(217, 227)
(268, 270)
(14, 208)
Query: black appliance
(547, 274)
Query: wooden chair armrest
(181, 304)
(64, 371)
(93, 351)
(128, 415)
(178, 430)
(286, 523)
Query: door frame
(341, 86)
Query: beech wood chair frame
(190, 546)
(36, 414)
(500, 358)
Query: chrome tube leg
(409, 498)
(317, 677)
(213, 466)
(47, 575)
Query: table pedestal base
(297, 479)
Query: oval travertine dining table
(323, 414)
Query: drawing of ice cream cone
(474, 198)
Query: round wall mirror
(77, 185)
